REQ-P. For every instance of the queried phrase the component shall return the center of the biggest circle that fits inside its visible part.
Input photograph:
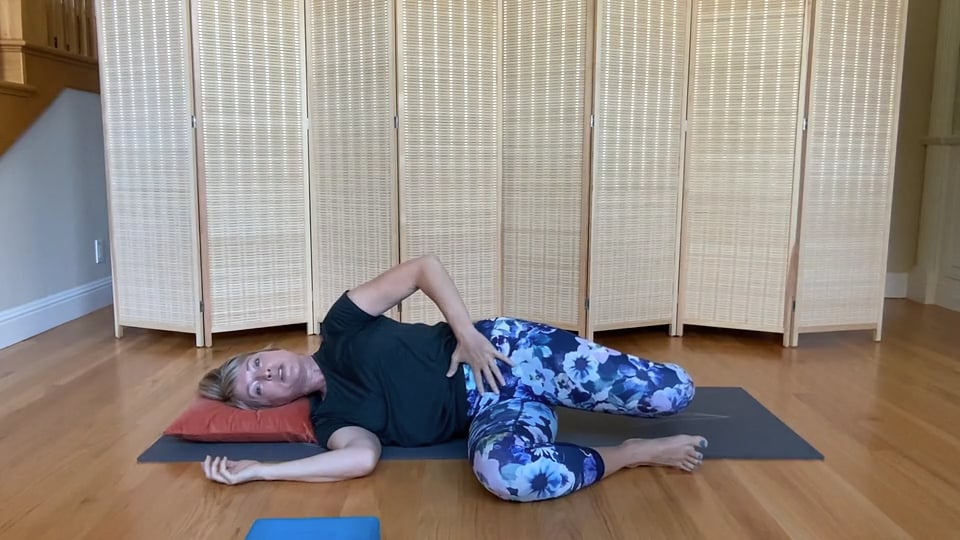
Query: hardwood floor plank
(812, 502)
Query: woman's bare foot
(680, 451)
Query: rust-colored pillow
(207, 420)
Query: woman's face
(270, 379)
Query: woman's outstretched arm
(354, 452)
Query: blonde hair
(219, 383)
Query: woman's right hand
(225, 471)
(475, 349)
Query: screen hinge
(591, 121)
(396, 121)
(804, 123)
(193, 121)
(586, 304)
(201, 306)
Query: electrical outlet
(98, 251)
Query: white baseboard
(28, 320)
(897, 284)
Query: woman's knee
(535, 481)
(676, 391)
(525, 476)
(489, 474)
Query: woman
(376, 381)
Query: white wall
(917, 88)
(936, 278)
(53, 205)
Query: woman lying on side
(375, 381)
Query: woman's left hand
(229, 472)
(476, 350)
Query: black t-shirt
(387, 377)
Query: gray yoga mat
(736, 425)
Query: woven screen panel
(251, 61)
(544, 44)
(850, 137)
(449, 147)
(352, 151)
(145, 92)
(741, 138)
(637, 132)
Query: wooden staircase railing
(46, 46)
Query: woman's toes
(691, 462)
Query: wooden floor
(77, 407)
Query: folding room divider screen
(150, 147)
(449, 91)
(854, 100)
(592, 164)
(252, 139)
(739, 184)
(640, 77)
(544, 159)
(351, 92)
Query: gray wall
(53, 203)
(918, 56)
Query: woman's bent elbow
(365, 462)
(431, 259)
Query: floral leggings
(512, 435)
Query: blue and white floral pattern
(512, 440)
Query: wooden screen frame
(205, 311)
(586, 326)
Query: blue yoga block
(332, 528)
